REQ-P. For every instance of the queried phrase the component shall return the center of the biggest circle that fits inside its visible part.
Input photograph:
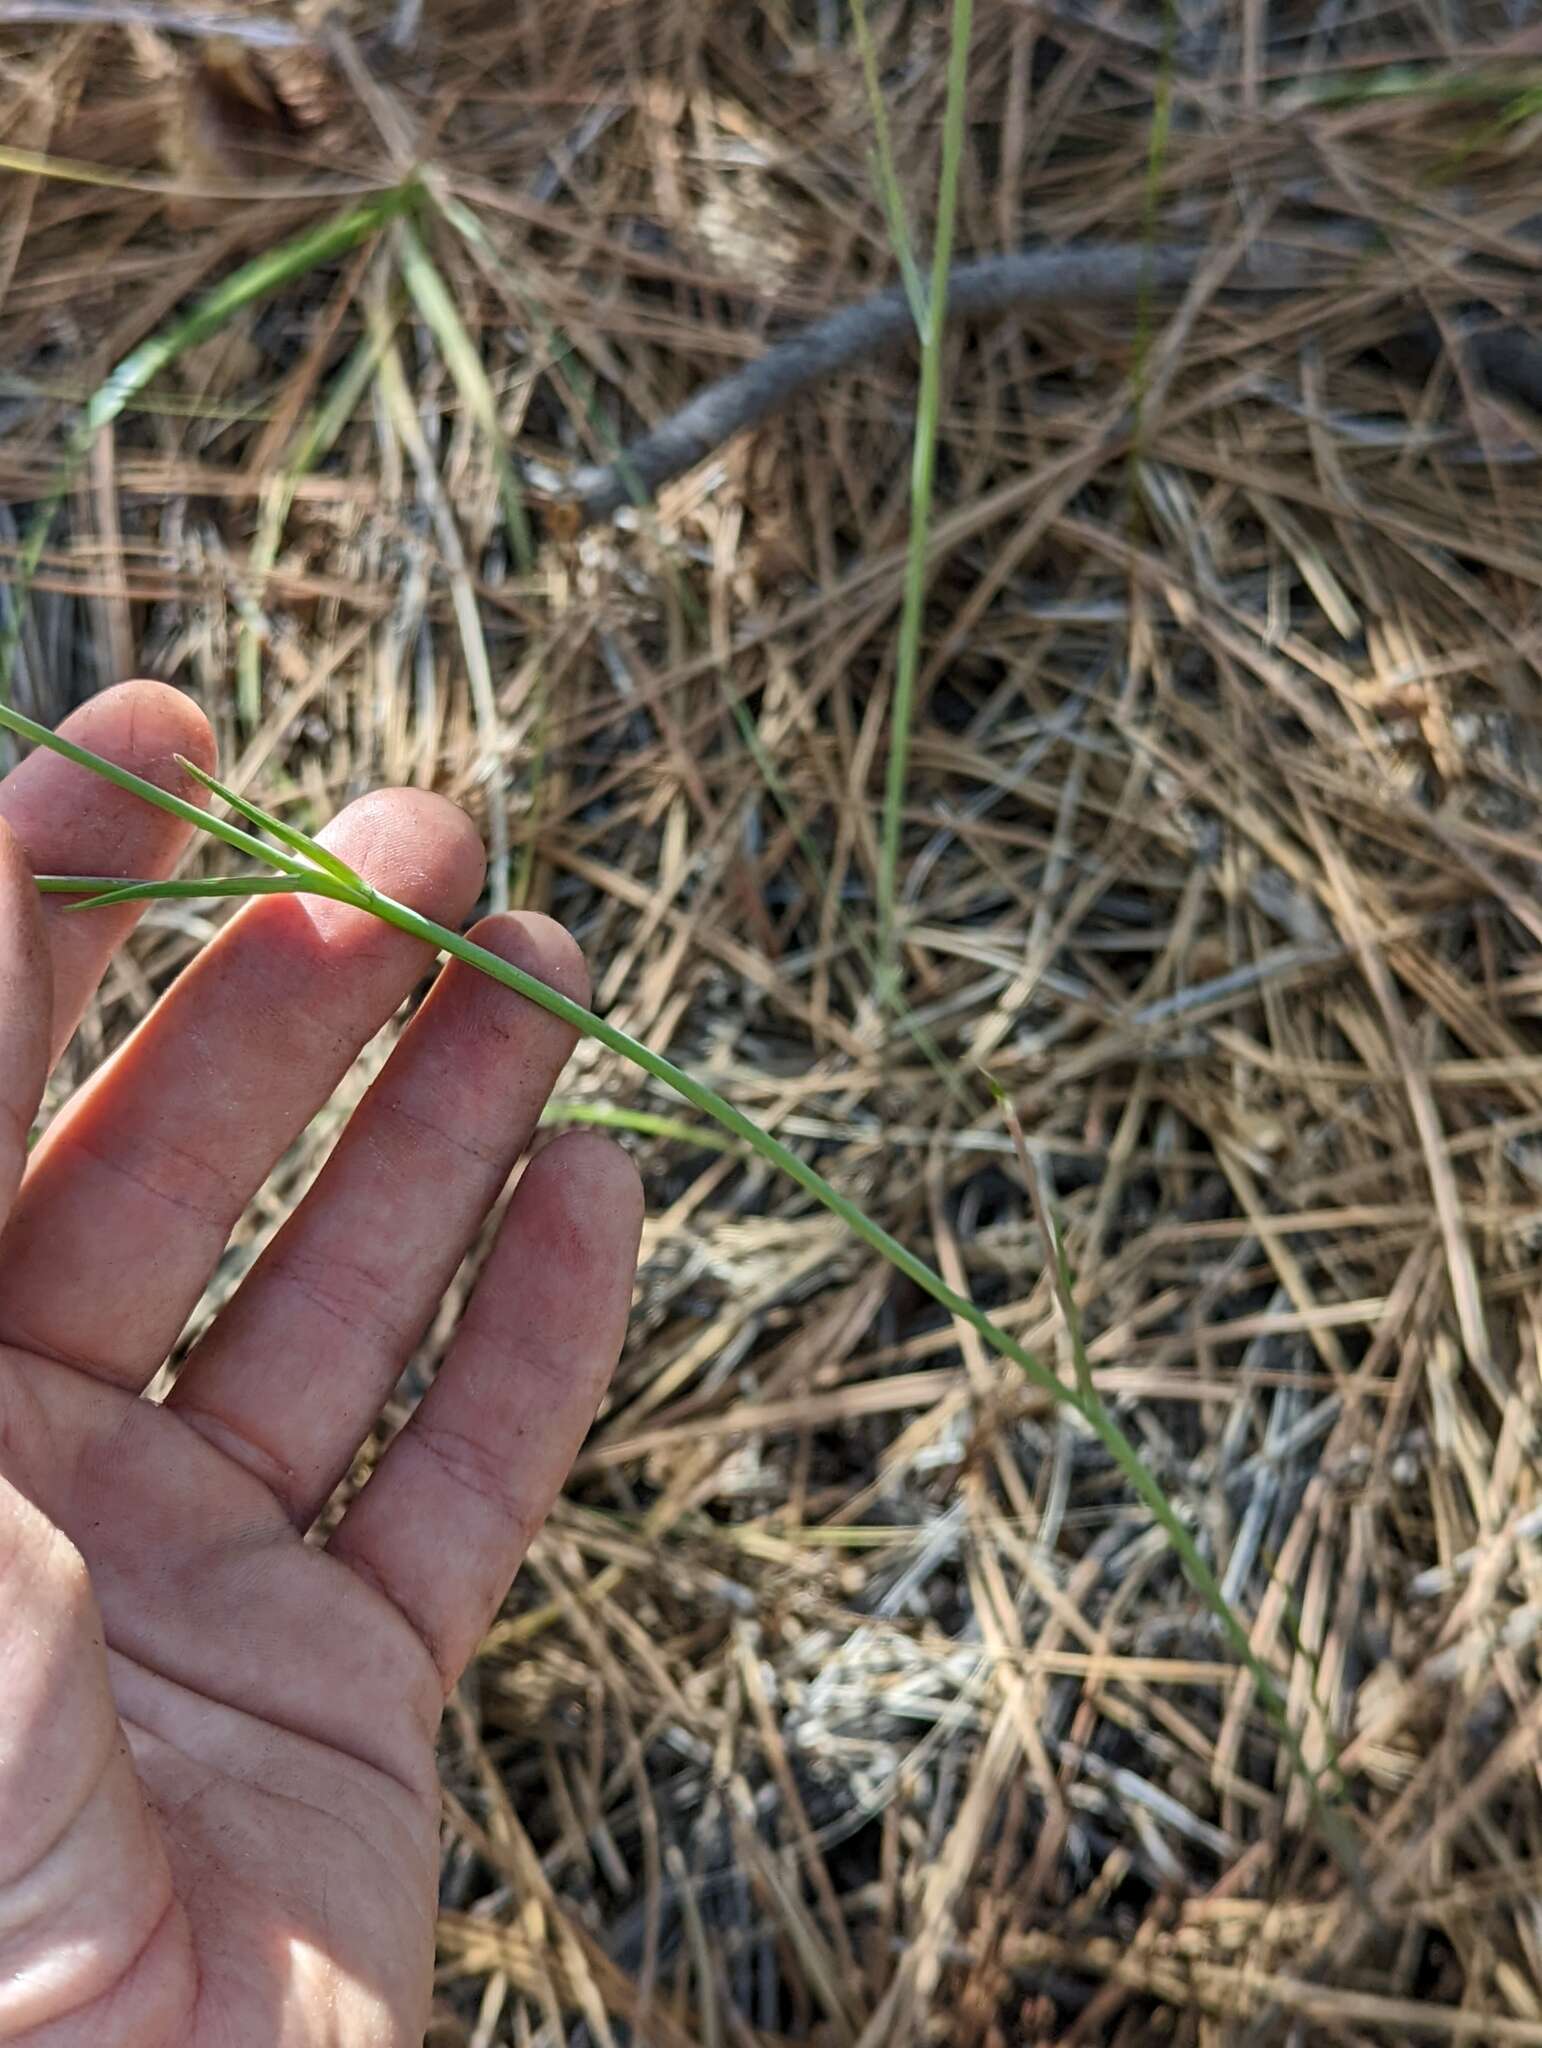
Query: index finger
(71, 822)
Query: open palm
(218, 1810)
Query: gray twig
(1508, 358)
(990, 284)
(259, 33)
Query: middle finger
(294, 1370)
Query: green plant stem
(432, 297)
(1083, 1399)
(315, 441)
(17, 722)
(775, 1153)
(922, 476)
(646, 1123)
(883, 164)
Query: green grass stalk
(922, 478)
(308, 866)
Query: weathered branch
(1507, 358)
(990, 284)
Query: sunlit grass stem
(309, 867)
(922, 477)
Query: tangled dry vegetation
(850, 1697)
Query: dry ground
(850, 1696)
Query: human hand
(218, 1803)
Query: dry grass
(849, 1697)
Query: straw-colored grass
(852, 1696)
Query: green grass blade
(25, 728)
(1083, 1398)
(100, 889)
(432, 297)
(265, 274)
(646, 1122)
(231, 885)
(885, 175)
(922, 475)
(314, 444)
(301, 843)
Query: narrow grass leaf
(645, 1122)
(1083, 1398)
(26, 728)
(147, 892)
(432, 297)
(922, 477)
(884, 173)
(265, 274)
(308, 849)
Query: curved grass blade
(309, 850)
(885, 174)
(266, 273)
(646, 1123)
(97, 891)
(922, 477)
(431, 295)
(17, 722)
(1083, 1399)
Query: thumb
(26, 1012)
